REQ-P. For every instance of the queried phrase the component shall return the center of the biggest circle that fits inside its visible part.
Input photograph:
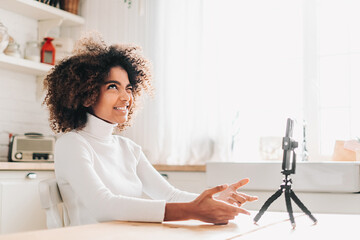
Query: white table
(272, 225)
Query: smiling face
(115, 97)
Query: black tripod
(289, 156)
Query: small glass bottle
(32, 51)
(4, 37)
(13, 49)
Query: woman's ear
(86, 104)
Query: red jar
(48, 52)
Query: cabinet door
(20, 202)
(187, 181)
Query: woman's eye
(112, 86)
(130, 89)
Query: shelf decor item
(48, 52)
(49, 2)
(70, 6)
(13, 49)
(4, 37)
(32, 51)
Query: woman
(102, 176)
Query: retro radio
(31, 147)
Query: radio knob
(18, 155)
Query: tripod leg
(302, 206)
(267, 204)
(289, 207)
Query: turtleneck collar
(98, 128)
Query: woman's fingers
(234, 210)
(238, 198)
(230, 211)
(211, 191)
(243, 211)
(221, 209)
(248, 197)
(231, 192)
(240, 183)
(242, 198)
(234, 202)
(208, 209)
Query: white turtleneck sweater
(102, 177)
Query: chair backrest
(50, 199)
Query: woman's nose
(124, 95)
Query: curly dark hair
(75, 81)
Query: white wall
(20, 108)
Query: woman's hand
(230, 195)
(208, 209)
(204, 208)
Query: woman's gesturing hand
(230, 195)
(208, 209)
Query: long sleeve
(83, 190)
(156, 187)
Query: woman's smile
(122, 110)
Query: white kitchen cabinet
(20, 208)
(187, 181)
(324, 187)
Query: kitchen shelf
(23, 65)
(48, 17)
(40, 11)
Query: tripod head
(288, 145)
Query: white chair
(51, 201)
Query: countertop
(16, 166)
(44, 166)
